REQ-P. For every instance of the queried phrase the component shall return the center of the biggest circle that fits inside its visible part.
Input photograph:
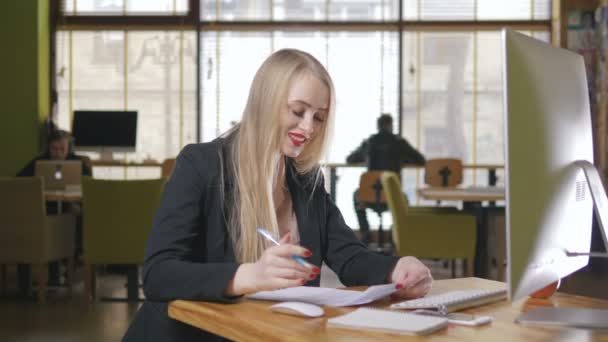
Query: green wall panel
(24, 31)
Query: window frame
(192, 21)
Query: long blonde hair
(255, 148)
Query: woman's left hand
(412, 278)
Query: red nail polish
(316, 270)
(307, 254)
(399, 286)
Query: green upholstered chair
(429, 232)
(28, 235)
(117, 217)
(369, 195)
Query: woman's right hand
(274, 270)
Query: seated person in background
(383, 151)
(59, 147)
(264, 172)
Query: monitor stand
(106, 155)
(579, 317)
(600, 204)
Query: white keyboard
(453, 300)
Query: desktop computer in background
(105, 131)
(551, 183)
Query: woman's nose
(307, 123)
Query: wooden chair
(167, 168)
(444, 172)
(28, 235)
(434, 233)
(371, 196)
(117, 218)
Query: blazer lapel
(307, 218)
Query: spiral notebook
(394, 322)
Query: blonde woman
(264, 172)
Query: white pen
(269, 237)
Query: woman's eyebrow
(307, 104)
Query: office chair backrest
(444, 172)
(22, 216)
(117, 217)
(396, 201)
(167, 168)
(370, 188)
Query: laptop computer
(59, 174)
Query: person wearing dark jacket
(383, 151)
(59, 147)
(264, 172)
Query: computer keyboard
(453, 300)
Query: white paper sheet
(326, 296)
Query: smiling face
(303, 117)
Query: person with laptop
(263, 174)
(383, 151)
(59, 147)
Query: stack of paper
(326, 296)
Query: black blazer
(189, 253)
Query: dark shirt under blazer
(189, 253)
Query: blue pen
(269, 237)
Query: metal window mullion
(181, 89)
(418, 102)
(125, 74)
(475, 10)
(271, 4)
(71, 78)
(400, 69)
(382, 71)
(217, 84)
(199, 87)
(531, 9)
(126, 81)
(475, 74)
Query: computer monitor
(549, 154)
(105, 130)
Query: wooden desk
(60, 196)
(333, 175)
(472, 194)
(252, 320)
(63, 195)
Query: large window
(436, 67)
(153, 72)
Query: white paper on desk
(326, 296)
